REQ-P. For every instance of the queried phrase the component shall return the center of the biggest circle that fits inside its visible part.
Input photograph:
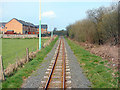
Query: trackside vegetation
(99, 27)
(93, 66)
(16, 80)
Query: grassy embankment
(12, 49)
(93, 66)
(0, 46)
(16, 80)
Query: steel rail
(47, 84)
(64, 67)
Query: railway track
(58, 73)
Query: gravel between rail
(77, 77)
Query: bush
(100, 27)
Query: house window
(26, 32)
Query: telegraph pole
(119, 41)
(51, 33)
(40, 27)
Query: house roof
(2, 24)
(43, 26)
(25, 23)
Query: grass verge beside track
(93, 66)
(16, 80)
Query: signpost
(40, 27)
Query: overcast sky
(54, 14)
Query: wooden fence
(19, 63)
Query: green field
(16, 80)
(93, 67)
(13, 49)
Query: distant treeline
(46, 35)
(100, 26)
(60, 32)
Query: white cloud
(49, 14)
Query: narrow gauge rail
(59, 62)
